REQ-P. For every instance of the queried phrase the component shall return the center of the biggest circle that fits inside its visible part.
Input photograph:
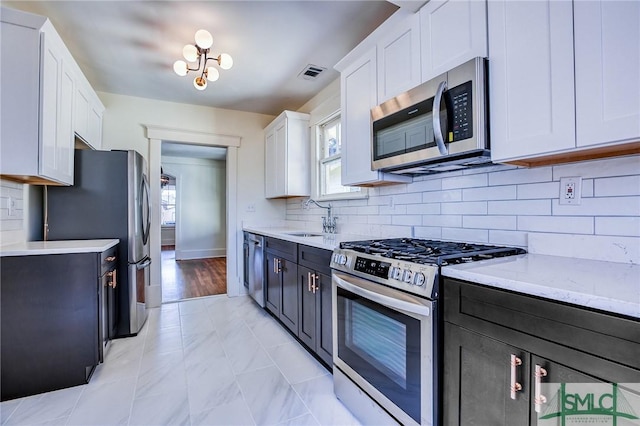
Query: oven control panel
(411, 277)
(372, 267)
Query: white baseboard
(200, 254)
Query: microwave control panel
(460, 98)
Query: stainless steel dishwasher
(254, 266)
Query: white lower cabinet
(287, 162)
(37, 101)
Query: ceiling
(129, 47)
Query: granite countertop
(606, 286)
(31, 248)
(324, 241)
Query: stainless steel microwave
(438, 126)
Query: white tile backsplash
(442, 196)
(490, 222)
(533, 191)
(11, 227)
(520, 207)
(623, 226)
(507, 192)
(564, 225)
(503, 204)
(465, 181)
(617, 186)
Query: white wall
(200, 206)
(123, 128)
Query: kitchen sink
(303, 234)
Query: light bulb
(225, 61)
(200, 83)
(204, 39)
(180, 67)
(212, 74)
(190, 53)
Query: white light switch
(571, 190)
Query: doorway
(193, 221)
(157, 134)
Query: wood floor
(186, 279)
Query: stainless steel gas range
(387, 329)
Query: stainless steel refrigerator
(109, 199)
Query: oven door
(383, 341)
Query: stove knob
(396, 273)
(418, 279)
(406, 276)
(340, 259)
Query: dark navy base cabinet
(50, 322)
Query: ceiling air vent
(311, 72)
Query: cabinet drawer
(478, 307)
(281, 248)
(315, 258)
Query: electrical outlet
(571, 190)
(251, 208)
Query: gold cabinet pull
(114, 279)
(275, 265)
(514, 385)
(309, 281)
(539, 399)
(315, 286)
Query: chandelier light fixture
(200, 54)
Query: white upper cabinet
(531, 80)
(398, 55)
(41, 107)
(607, 68)
(37, 101)
(358, 96)
(451, 33)
(287, 167)
(88, 114)
(564, 80)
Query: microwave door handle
(437, 129)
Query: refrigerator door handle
(144, 190)
(143, 263)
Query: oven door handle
(409, 304)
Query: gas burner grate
(430, 251)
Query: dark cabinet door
(289, 308)
(307, 307)
(477, 380)
(581, 388)
(273, 284)
(324, 330)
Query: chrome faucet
(329, 225)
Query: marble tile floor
(206, 361)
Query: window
(329, 149)
(168, 200)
